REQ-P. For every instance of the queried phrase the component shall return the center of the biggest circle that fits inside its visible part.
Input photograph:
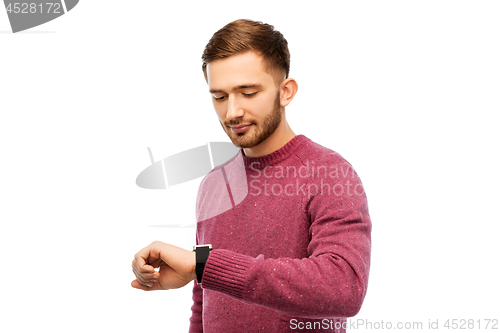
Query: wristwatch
(202, 252)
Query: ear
(288, 89)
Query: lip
(240, 129)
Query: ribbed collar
(277, 156)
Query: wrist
(193, 267)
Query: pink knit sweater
(294, 254)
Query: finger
(154, 263)
(144, 282)
(148, 286)
(148, 280)
(146, 258)
(146, 270)
(135, 284)
(153, 275)
(139, 277)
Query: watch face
(202, 252)
(201, 246)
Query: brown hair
(247, 35)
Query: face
(244, 94)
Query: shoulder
(315, 153)
(327, 167)
(218, 174)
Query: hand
(177, 267)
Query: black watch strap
(202, 252)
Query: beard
(260, 131)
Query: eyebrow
(240, 87)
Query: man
(295, 253)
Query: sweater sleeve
(196, 323)
(331, 281)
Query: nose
(234, 109)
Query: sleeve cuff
(227, 272)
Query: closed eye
(250, 95)
(219, 98)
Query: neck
(275, 141)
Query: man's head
(246, 66)
(245, 35)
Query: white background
(407, 91)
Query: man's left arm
(331, 282)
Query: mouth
(240, 128)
